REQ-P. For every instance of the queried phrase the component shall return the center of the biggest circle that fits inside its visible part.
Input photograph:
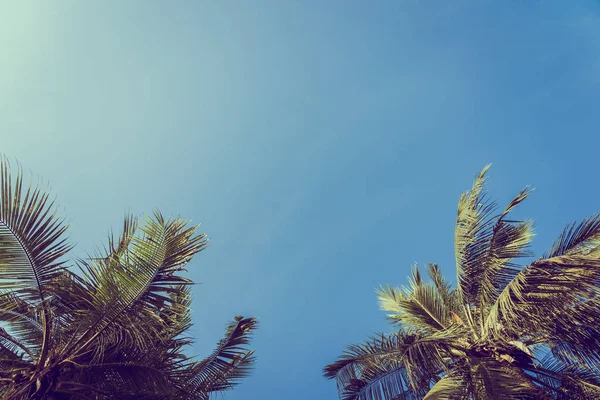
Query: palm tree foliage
(505, 331)
(114, 330)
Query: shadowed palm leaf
(485, 339)
(117, 330)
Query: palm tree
(115, 330)
(505, 331)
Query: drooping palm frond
(382, 368)
(567, 380)
(577, 238)
(547, 292)
(228, 364)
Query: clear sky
(322, 145)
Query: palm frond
(577, 238)
(230, 361)
(386, 367)
(32, 244)
(118, 247)
(124, 289)
(31, 237)
(22, 320)
(421, 305)
(444, 288)
(546, 293)
(509, 240)
(471, 238)
(453, 386)
(567, 380)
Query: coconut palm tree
(504, 332)
(117, 329)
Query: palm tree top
(506, 331)
(116, 328)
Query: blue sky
(322, 145)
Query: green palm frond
(230, 361)
(32, 244)
(577, 238)
(567, 380)
(31, 237)
(383, 368)
(140, 281)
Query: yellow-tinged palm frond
(471, 237)
(485, 245)
(422, 305)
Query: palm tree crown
(117, 329)
(505, 331)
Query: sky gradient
(323, 145)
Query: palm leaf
(471, 238)
(31, 243)
(509, 240)
(547, 292)
(401, 364)
(566, 381)
(230, 361)
(124, 289)
(31, 237)
(420, 305)
(577, 238)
